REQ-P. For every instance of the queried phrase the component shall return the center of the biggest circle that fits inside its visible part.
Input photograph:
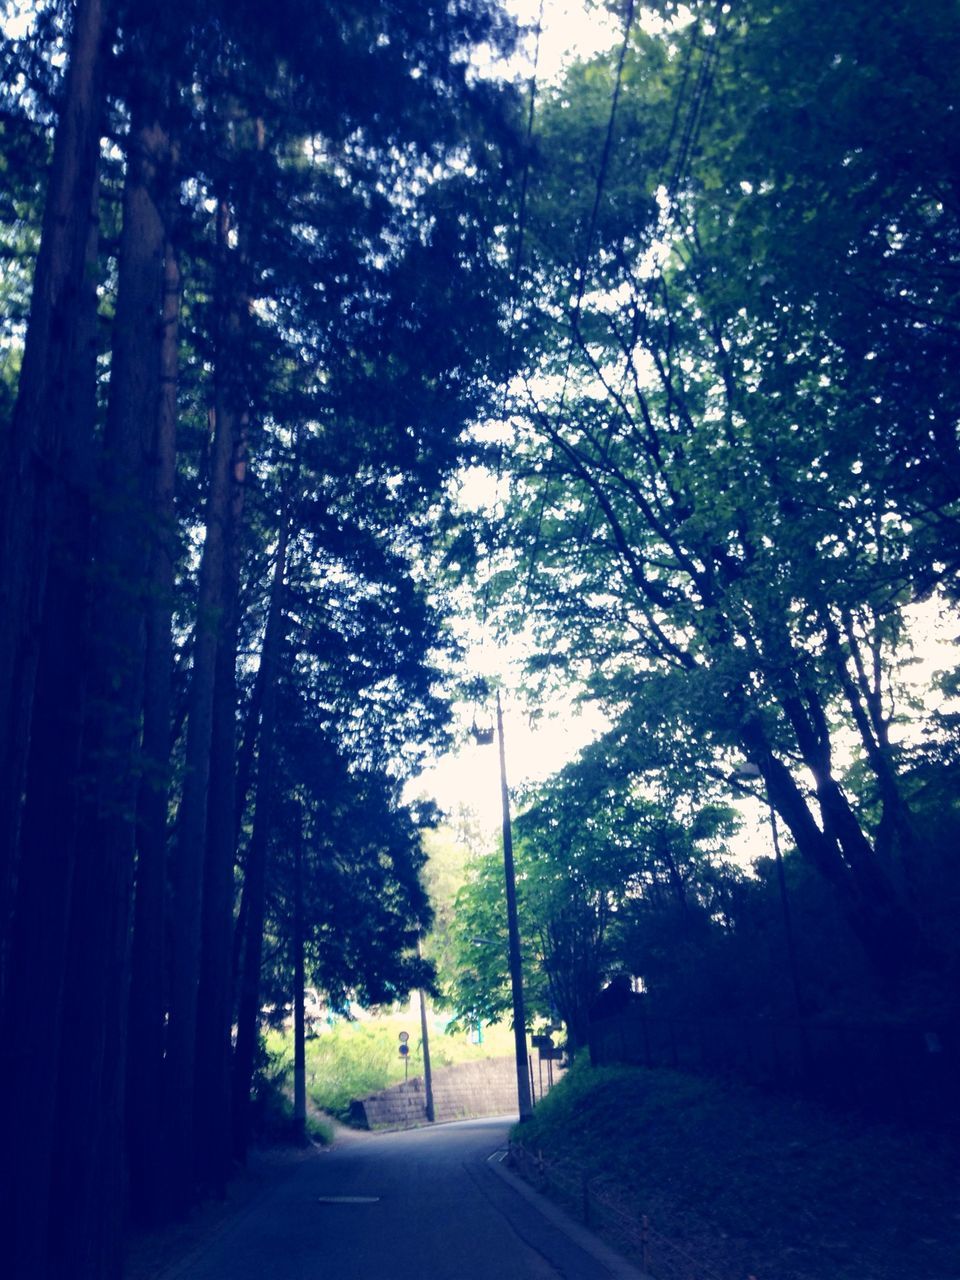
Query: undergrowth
(758, 1184)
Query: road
(424, 1205)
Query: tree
(678, 505)
(363, 902)
(448, 845)
(620, 831)
(322, 234)
(477, 985)
(622, 849)
(847, 224)
(44, 410)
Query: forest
(275, 281)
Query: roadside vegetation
(352, 1059)
(750, 1183)
(278, 283)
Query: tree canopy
(252, 298)
(271, 278)
(726, 477)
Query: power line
(692, 117)
(602, 170)
(513, 317)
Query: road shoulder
(568, 1245)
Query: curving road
(426, 1204)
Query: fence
(545, 1070)
(891, 1072)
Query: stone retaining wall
(487, 1087)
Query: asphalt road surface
(421, 1205)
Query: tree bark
(299, 1018)
(147, 1003)
(37, 953)
(188, 862)
(248, 1015)
(245, 756)
(89, 1176)
(215, 1005)
(31, 454)
(839, 851)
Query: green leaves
(736, 460)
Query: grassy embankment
(751, 1184)
(353, 1059)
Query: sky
(569, 29)
(470, 776)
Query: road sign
(403, 1037)
(404, 1050)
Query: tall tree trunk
(147, 1004)
(255, 880)
(188, 862)
(89, 1183)
(215, 1005)
(37, 957)
(839, 851)
(245, 756)
(30, 455)
(299, 1019)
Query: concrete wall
(484, 1088)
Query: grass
(273, 1101)
(353, 1059)
(755, 1184)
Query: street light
(524, 1102)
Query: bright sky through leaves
(470, 775)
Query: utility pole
(513, 934)
(425, 1041)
